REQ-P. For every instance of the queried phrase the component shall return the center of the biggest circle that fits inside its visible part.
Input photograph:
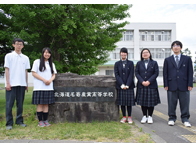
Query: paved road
(160, 130)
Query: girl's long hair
(142, 52)
(42, 66)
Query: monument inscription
(84, 94)
(84, 99)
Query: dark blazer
(150, 74)
(124, 76)
(178, 77)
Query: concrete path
(160, 131)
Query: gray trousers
(17, 93)
(184, 100)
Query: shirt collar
(177, 55)
(47, 62)
(123, 60)
(20, 55)
(146, 60)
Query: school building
(157, 37)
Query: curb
(145, 129)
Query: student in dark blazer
(124, 74)
(147, 95)
(178, 81)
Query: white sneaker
(130, 121)
(187, 124)
(171, 123)
(144, 119)
(123, 120)
(150, 121)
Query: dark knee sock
(39, 115)
(45, 116)
(123, 110)
(129, 109)
(144, 110)
(150, 111)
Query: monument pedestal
(84, 99)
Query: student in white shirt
(16, 65)
(43, 71)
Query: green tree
(80, 36)
(5, 35)
(186, 52)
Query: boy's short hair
(17, 39)
(177, 43)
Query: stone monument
(84, 99)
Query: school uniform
(124, 74)
(17, 64)
(177, 76)
(43, 94)
(147, 96)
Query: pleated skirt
(148, 97)
(125, 97)
(43, 97)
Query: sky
(184, 15)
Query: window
(116, 53)
(167, 52)
(109, 72)
(155, 35)
(143, 38)
(159, 37)
(127, 36)
(130, 53)
(160, 53)
(152, 37)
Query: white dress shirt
(17, 64)
(46, 74)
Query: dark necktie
(177, 61)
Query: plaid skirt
(148, 97)
(125, 97)
(43, 97)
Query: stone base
(83, 112)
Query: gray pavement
(159, 129)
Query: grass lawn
(95, 131)
(194, 84)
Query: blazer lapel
(173, 61)
(181, 60)
(121, 65)
(143, 64)
(149, 64)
